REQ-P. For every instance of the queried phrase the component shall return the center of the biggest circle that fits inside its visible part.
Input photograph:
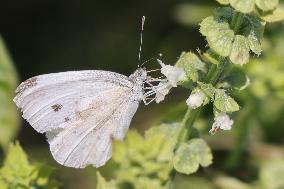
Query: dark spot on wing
(26, 85)
(56, 107)
(67, 119)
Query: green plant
(18, 173)
(233, 34)
(9, 118)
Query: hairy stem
(191, 115)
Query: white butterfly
(82, 111)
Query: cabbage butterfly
(81, 112)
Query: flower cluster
(201, 93)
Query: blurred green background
(52, 36)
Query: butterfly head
(139, 76)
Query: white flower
(162, 90)
(195, 100)
(222, 121)
(172, 73)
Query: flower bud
(222, 121)
(173, 74)
(195, 100)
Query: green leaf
(167, 133)
(219, 35)
(191, 64)
(190, 155)
(9, 118)
(128, 173)
(224, 102)
(236, 79)
(273, 16)
(208, 89)
(148, 183)
(223, 2)
(253, 29)
(17, 171)
(254, 43)
(224, 14)
(103, 184)
(221, 41)
(130, 149)
(16, 166)
(244, 6)
(266, 5)
(240, 50)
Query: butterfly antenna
(153, 58)
(141, 40)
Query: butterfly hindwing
(88, 141)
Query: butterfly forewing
(80, 112)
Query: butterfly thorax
(139, 76)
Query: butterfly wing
(80, 112)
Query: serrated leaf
(240, 50)
(224, 102)
(9, 118)
(190, 155)
(224, 14)
(208, 89)
(253, 29)
(244, 6)
(191, 64)
(103, 184)
(16, 166)
(139, 157)
(168, 138)
(254, 44)
(236, 79)
(223, 2)
(266, 5)
(17, 172)
(219, 35)
(273, 16)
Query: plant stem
(191, 115)
(187, 124)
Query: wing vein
(93, 128)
